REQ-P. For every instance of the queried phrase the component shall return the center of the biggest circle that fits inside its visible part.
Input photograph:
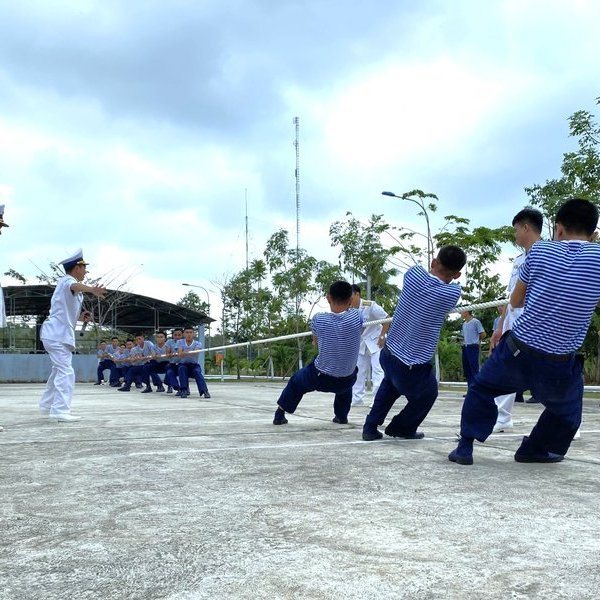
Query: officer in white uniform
(527, 225)
(2, 312)
(58, 336)
(371, 343)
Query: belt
(516, 346)
(469, 345)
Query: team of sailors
(139, 361)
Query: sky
(145, 131)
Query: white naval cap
(72, 261)
(2, 223)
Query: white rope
(293, 336)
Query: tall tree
(580, 169)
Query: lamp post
(207, 307)
(421, 204)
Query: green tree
(192, 301)
(364, 256)
(580, 170)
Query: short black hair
(340, 291)
(161, 331)
(114, 338)
(530, 216)
(139, 335)
(177, 329)
(355, 288)
(452, 258)
(188, 328)
(577, 215)
(130, 340)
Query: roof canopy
(118, 310)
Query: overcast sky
(132, 128)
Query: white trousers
(505, 405)
(358, 390)
(61, 383)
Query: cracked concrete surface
(152, 496)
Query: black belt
(517, 346)
(469, 345)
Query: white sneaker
(577, 434)
(65, 418)
(503, 428)
(1, 428)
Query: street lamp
(207, 307)
(421, 204)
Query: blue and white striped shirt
(338, 337)
(424, 302)
(563, 288)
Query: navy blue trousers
(558, 385)
(137, 373)
(310, 379)
(470, 361)
(417, 383)
(105, 364)
(154, 367)
(193, 370)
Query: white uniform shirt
(65, 308)
(512, 314)
(371, 311)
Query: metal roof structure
(125, 311)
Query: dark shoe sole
(532, 458)
(339, 421)
(460, 460)
(372, 436)
(280, 421)
(407, 436)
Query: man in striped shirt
(559, 288)
(337, 335)
(424, 302)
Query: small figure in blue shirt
(158, 363)
(104, 362)
(559, 287)
(189, 365)
(173, 366)
(337, 335)
(473, 335)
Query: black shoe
(417, 435)
(337, 419)
(148, 390)
(370, 436)
(125, 388)
(160, 388)
(545, 457)
(169, 390)
(138, 386)
(115, 384)
(98, 383)
(184, 393)
(279, 417)
(460, 459)
(207, 395)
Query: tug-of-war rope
(292, 336)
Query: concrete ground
(152, 496)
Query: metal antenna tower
(297, 146)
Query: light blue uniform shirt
(195, 345)
(471, 330)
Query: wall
(35, 368)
